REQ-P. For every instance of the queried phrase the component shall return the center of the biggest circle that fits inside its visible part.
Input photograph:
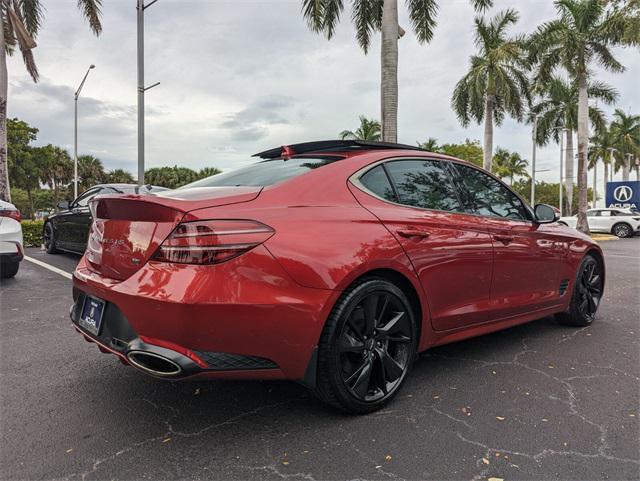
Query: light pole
(611, 151)
(563, 131)
(75, 132)
(533, 161)
(141, 88)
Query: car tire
(586, 296)
(622, 230)
(49, 239)
(9, 269)
(367, 347)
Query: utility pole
(533, 162)
(141, 88)
(75, 132)
(560, 200)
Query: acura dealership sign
(623, 194)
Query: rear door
(527, 255)
(451, 252)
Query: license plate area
(91, 314)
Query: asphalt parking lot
(539, 401)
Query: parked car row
(616, 221)
(67, 230)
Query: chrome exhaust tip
(154, 364)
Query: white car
(620, 222)
(11, 244)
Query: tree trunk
(568, 173)
(606, 179)
(583, 141)
(625, 168)
(487, 154)
(30, 199)
(389, 69)
(5, 193)
(594, 192)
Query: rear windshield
(262, 174)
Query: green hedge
(32, 232)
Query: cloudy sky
(241, 76)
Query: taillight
(211, 241)
(13, 213)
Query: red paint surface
(472, 275)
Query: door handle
(412, 233)
(505, 239)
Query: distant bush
(32, 232)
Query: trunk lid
(127, 230)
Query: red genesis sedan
(332, 263)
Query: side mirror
(63, 205)
(545, 214)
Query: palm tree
(431, 145)
(20, 22)
(370, 16)
(496, 83)
(625, 130)
(120, 176)
(57, 168)
(583, 34)
(509, 164)
(603, 149)
(557, 109)
(369, 130)
(90, 171)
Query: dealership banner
(623, 194)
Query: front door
(451, 253)
(526, 266)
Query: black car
(68, 229)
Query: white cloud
(240, 77)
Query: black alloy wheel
(48, 238)
(589, 287)
(367, 347)
(587, 294)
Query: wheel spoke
(355, 329)
(383, 310)
(350, 344)
(391, 368)
(592, 303)
(370, 305)
(401, 339)
(392, 324)
(359, 380)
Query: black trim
(11, 258)
(333, 145)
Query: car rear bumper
(241, 319)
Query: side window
(593, 213)
(605, 213)
(84, 199)
(486, 196)
(425, 184)
(376, 181)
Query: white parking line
(47, 266)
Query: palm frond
(366, 16)
(313, 13)
(32, 13)
(332, 11)
(92, 11)
(423, 18)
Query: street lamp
(533, 160)
(75, 133)
(563, 130)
